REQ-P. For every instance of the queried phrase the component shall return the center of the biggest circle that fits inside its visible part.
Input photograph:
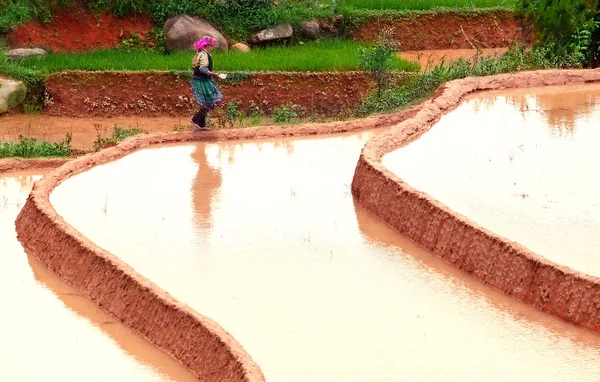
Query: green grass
(424, 5)
(327, 55)
(32, 148)
(119, 134)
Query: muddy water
(49, 331)
(523, 164)
(264, 237)
(428, 59)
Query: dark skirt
(207, 93)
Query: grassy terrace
(328, 55)
(424, 5)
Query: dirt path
(83, 130)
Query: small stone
(241, 47)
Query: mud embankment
(199, 343)
(158, 94)
(498, 262)
(457, 29)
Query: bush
(569, 28)
(287, 113)
(378, 60)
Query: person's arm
(201, 62)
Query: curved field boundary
(498, 262)
(198, 342)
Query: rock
(25, 52)
(241, 47)
(277, 33)
(12, 93)
(310, 29)
(181, 32)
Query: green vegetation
(568, 28)
(14, 12)
(32, 148)
(235, 18)
(517, 58)
(378, 60)
(326, 55)
(119, 134)
(424, 5)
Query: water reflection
(50, 331)
(561, 111)
(520, 162)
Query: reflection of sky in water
(524, 166)
(264, 238)
(42, 340)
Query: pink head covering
(203, 42)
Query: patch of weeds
(233, 114)
(179, 127)
(32, 148)
(237, 77)
(288, 113)
(420, 87)
(119, 134)
(256, 116)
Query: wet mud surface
(266, 239)
(520, 163)
(50, 331)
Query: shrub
(286, 113)
(568, 27)
(378, 60)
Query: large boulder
(12, 93)
(309, 29)
(181, 32)
(19, 53)
(277, 33)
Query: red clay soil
(448, 30)
(199, 343)
(76, 29)
(498, 262)
(154, 94)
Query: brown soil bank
(498, 262)
(155, 94)
(76, 30)
(448, 29)
(199, 343)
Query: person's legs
(199, 118)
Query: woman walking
(207, 93)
